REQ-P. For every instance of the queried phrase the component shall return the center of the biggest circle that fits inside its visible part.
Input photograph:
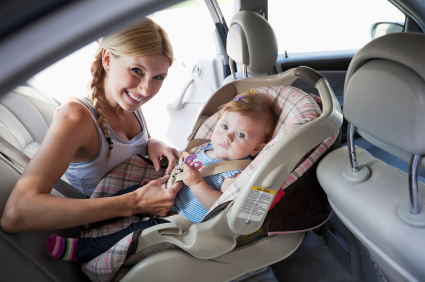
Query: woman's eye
(136, 70)
(160, 77)
(240, 134)
(224, 126)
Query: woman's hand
(145, 181)
(153, 198)
(191, 176)
(157, 149)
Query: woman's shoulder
(73, 110)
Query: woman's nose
(144, 87)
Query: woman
(129, 69)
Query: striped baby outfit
(186, 203)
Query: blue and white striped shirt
(186, 203)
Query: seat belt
(20, 158)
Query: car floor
(312, 261)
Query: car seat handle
(308, 74)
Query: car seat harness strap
(212, 169)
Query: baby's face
(237, 136)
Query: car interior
(372, 97)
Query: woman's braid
(97, 95)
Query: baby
(245, 126)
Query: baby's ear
(258, 149)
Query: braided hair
(96, 95)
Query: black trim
(221, 26)
(15, 14)
(323, 65)
(411, 26)
(216, 211)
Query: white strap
(195, 143)
(208, 170)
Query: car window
(190, 28)
(327, 25)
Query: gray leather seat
(384, 99)
(252, 44)
(25, 115)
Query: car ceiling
(57, 29)
(37, 33)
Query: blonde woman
(93, 134)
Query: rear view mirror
(382, 28)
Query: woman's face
(132, 81)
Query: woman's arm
(30, 205)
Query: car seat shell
(215, 239)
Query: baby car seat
(207, 250)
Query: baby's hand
(191, 176)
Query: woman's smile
(134, 98)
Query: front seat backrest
(251, 43)
(384, 93)
(385, 100)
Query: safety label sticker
(256, 204)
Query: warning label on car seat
(256, 203)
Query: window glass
(327, 25)
(226, 7)
(190, 28)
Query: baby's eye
(224, 126)
(240, 134)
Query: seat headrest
(251, 41)
(385, 91)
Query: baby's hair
(253, 104)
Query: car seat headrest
(384, 93)
(251, 41)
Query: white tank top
(86, 175)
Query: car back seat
(22, 123)
(25, 115)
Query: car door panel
(333, 65)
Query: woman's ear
(258, 149)
(106, 59)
